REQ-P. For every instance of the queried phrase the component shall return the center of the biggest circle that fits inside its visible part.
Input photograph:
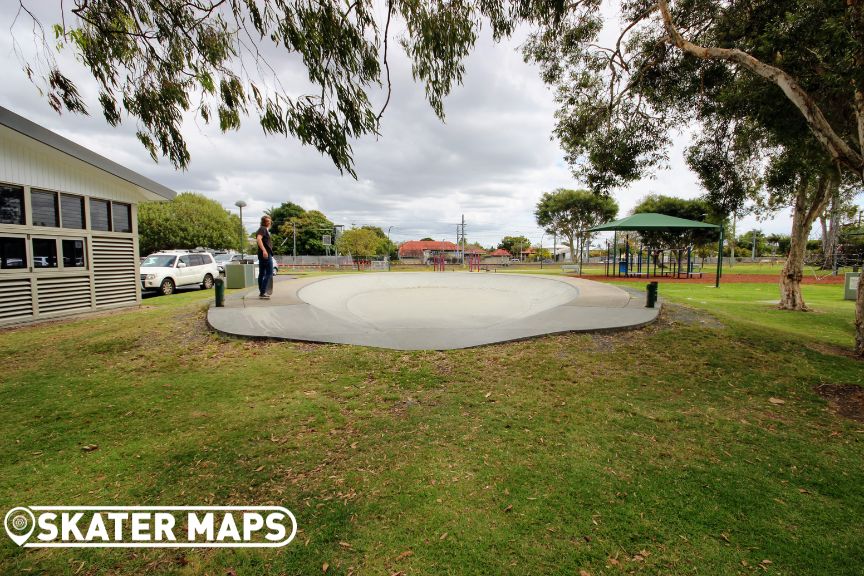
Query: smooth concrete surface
(429, 310)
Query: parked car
(165, 271)
(252, 259)
(221, 260)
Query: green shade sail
(651, 221)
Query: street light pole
(241, 204)
(388, 247)
(541, 250)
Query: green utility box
(850, 285)
(239, 275)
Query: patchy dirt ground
(726, 278)
(671, 315)
(844, 399)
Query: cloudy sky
(491, 160)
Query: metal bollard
(220, 292)
(652, 294)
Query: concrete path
(429, 310)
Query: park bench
(575, 268)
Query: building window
(121, 216)
(72, 211)
(73, 253)
(44, 253)
(44, 206)
(100, 215)
(11, 204)
(12, 253)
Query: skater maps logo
(150, 526)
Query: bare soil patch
(844, 399)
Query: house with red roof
(499, 256)
(422, 251)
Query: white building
(68, 225)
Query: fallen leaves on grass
(776, 401)
(89, 447)
(641, 556)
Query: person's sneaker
(263, 296)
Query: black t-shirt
(265, 240)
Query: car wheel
(167, 287)
(208, 282)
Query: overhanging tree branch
(838, 149)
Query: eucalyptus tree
(794, 64)
(217, 59)
(571, 213)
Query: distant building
(422, 251)
(68, 225)
(499, 256)
(528, 254)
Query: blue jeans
(265, 273)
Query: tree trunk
(834, 227)
(793, 270)
(572, 245)
(826, 247)
(802, 220)
(733, 240)
(859, 318)
(830, 222)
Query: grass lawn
(647, 452)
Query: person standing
(265, 257)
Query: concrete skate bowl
(408, 301)
(431, 310)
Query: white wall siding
(110, 277)
(25, 161)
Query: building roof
(500, 252)
(421, 245)
(472, 250)
(36, 132)
(652, 221)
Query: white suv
(165, 271)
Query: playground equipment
(439, 263)
(624, 260)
